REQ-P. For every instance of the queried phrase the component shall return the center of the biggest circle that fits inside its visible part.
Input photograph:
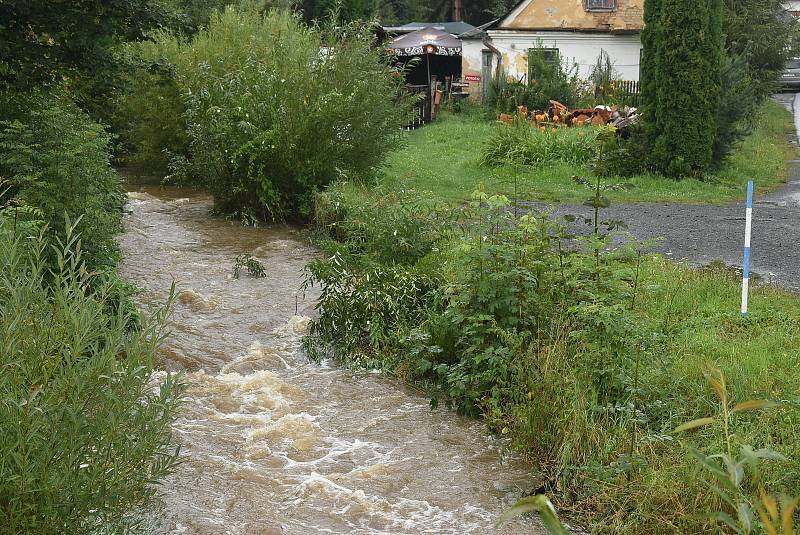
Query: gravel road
(702, 234)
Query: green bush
(85, 425)
(149, 114)
(455, 301)
(276, 110)
(524, 144)
(739, 103)
(56, 159)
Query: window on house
(538, 56)
(601, 5)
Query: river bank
(272, 443)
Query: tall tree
(403, 11)
(682, 82)
(649, 66)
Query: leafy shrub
(398, 227)
(621, 156)
(739, 102)
(549, 82)
(149, 114)
(86, 428)
(524, 144)
(375, 280)
(276, 110)
(57, 160)
(461, 309)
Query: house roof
(498, 21)
(454, 28)
(477, 33)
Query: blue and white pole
(748, 227)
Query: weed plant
(254, 267)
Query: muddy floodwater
(275, 444)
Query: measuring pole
(748, 227)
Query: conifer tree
(681, 83)
(648, 67)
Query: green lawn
(443, 158)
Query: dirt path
(702, 234)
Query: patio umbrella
(428, 42)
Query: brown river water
(273, 443)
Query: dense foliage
(681, 83)
(275, 110)
(85, 424)
(758, 38)
(586, 356)
(765, 34)
(56, 159)
(475, 12)
(86, 430)
(548, 81)
(150, 114)
(463, 295)
(45, 42)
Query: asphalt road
(703, 234)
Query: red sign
(472, 78)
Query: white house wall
(574, 48)
(471, 63)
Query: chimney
(456, 10)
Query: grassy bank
(443, 158)
(657, 486)
(588, 359)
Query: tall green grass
(526, 145)
(84, 422)
(443, 158)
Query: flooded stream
(274, 444)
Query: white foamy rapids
(139, 196)
(280, 353)
(358, 511)
(253, 403)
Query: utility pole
(456, 10)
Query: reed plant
(84, 419)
